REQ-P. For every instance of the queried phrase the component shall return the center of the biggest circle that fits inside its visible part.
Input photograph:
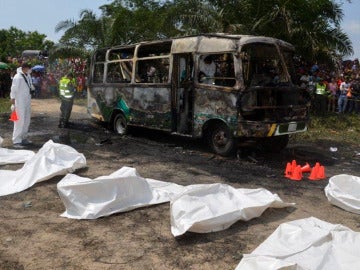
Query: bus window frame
(138, 76)
(216, 79)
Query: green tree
(135, 20)
(313, 26)
(201, 16)
(13, 41)
(89, 32)
(121, 22)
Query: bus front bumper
(259, 129)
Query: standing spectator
(333, 92)
(36, 81)
(66, 91)
(21, 102)
(44, 87)
(80, 84)
(342, 101)
(355, 91)
(350, 97)
(53, 84)
(320, 97)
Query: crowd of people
(46, 81)
(332, 91)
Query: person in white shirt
(342, 101)
(207, 70)
(20, 95)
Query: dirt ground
(34, 236)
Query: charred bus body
(226, 89)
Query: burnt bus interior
(269, 93)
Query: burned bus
(227, 89)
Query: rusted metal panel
(214, 104)
(221, 42)
(185, 45)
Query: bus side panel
(214, 104)
(151, 107)
(101, 101)
(142, 106)
(92, 105)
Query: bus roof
(213, 42)
(205, 43)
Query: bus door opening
(183, 94)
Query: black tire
(120, 124)
(221, 140)
(274, 144)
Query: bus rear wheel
(221, 141)
(120, 124)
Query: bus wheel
(120, 124)
(274, 144)
(221, 141)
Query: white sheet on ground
(343, 190)
(14, 156)
(198, 208)
(214, 207)
(120, 191)
(310, 244)
(51, 160)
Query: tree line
(313, 26)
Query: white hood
(19, 70)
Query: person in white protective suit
(20, 96)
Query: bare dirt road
(34, 236)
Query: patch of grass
(333, 127)
(5, 105)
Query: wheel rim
(220, 139)
(120, 125)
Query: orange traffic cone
(288, 170)
(13, 116)
(306, 168)
(315, 172)
(297, 174)
(321, 173)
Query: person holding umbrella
(20, 95)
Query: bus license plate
(292, 127)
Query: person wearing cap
(20, 95)
(66, 92)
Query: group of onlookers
(46, 82)
(47, 85)
(332, 92)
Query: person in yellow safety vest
(66, 92)
(321, 93)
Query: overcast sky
(44, 15)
